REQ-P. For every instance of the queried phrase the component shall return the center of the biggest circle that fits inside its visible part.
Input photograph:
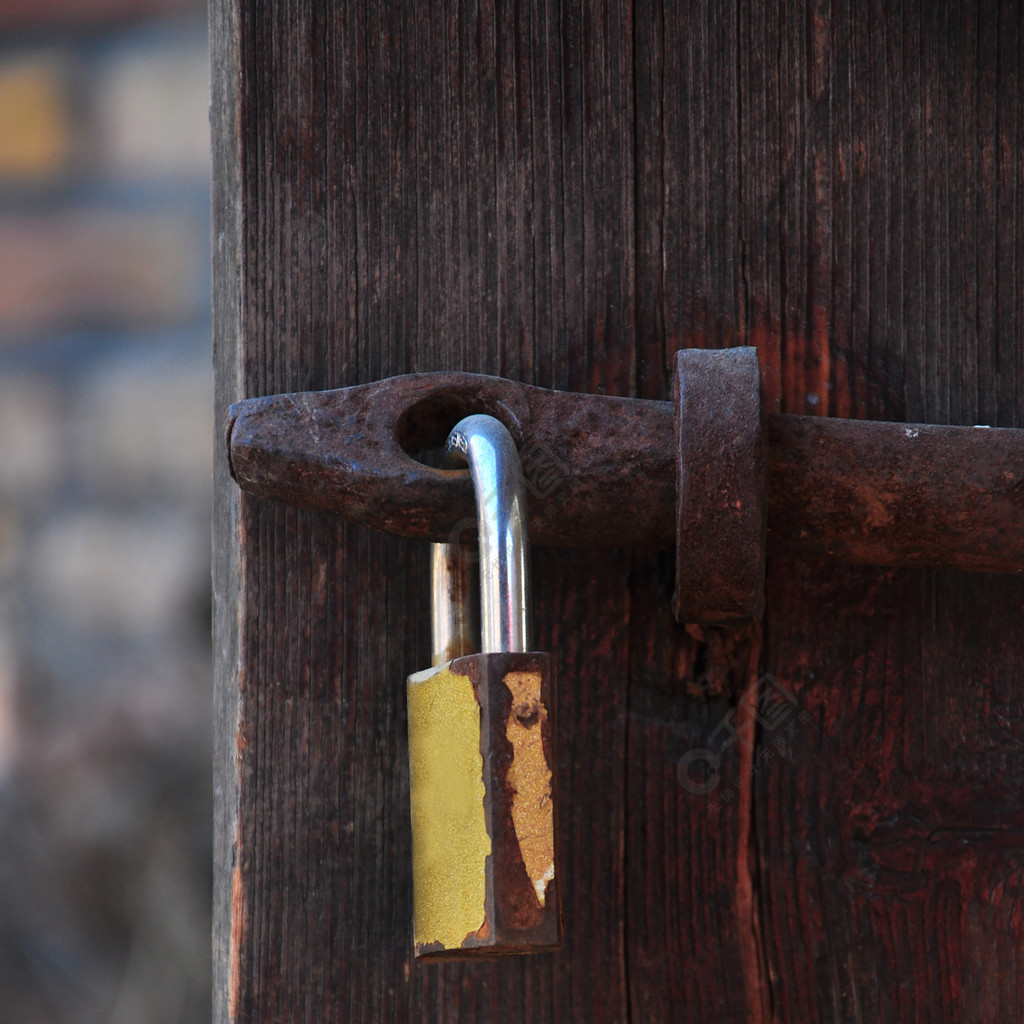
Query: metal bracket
(709, 473)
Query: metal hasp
(622, 472)
(599, 470)
(720, 485)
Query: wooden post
(815, 822)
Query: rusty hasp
(598, 470)
(896, 493)
(720, 485)
(707, 473)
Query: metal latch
(710, 473)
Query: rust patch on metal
(900, 494)
(529, 776)
(602, 471)
(586, 458)
(720, 485)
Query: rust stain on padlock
(529, 776)
(451, 843)
(497, 894)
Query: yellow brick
(35, 129)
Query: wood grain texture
(565, 194)
(889, 839)
(419, 189)
(227, 567)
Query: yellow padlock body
(482, 796)
(451, 843)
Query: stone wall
(105, 457)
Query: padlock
(481, 734)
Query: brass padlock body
(482, 787)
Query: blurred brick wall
(105, 456)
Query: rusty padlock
(481, 734)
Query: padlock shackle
(453, 619)
(484, 445)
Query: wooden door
(565, 193)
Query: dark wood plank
(888, 827)
(566, 194)
(891, 830)
(227, 262)
(872, 155)
(418, 188)
(689, 853)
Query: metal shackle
(484, 445)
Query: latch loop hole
(423, 428)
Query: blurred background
(105, 461)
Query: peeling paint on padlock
(481, 737)
(530, 778)
(451, 843)
(490, 892)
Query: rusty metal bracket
(720, 485)
(709, 473)
(599, 471)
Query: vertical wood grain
(419, 188)
(565, 194)
(889, 836)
